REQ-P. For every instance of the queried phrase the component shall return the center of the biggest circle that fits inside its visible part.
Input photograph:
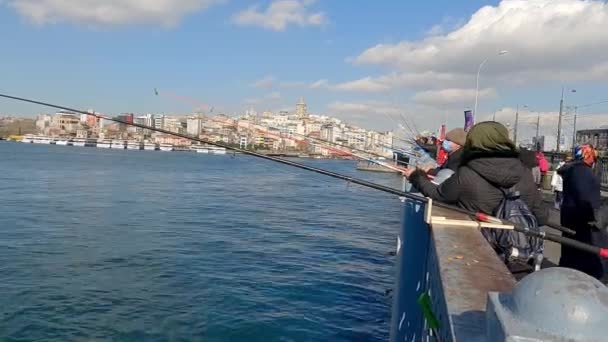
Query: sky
(371, 63)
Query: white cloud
(547, 40)
(428, 79)
(292, 84)
(108, 12)
(366, 84)
(322, 83)
(451, 96)
(358, 109)
(265, 82)
(280, 14)
(275, 95)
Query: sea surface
(107, 245)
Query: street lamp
(500, 53)
(559, 122)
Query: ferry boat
(134, 145)
(80, 142)
(39, 139)
(104, 143)
(150, 146)
(118, 144)
(200, 149)
(166, 147)
(216, 150)
(28, 139)
(63, 141)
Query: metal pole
(559, 122)
(516, 122)
(537, 128)
(574, 129)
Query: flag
(442, 155)
(469, 120)
(155, 92)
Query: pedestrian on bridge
(581, 211)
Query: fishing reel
(517, 256)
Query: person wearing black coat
(490, 161)
(452, 144)
(580, 211)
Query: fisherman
(490, 161)
(452, 144)
(581, 211)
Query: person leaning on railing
(490, 161)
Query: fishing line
(480, 217)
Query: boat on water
(118, 144)
(40, 139)
(63, 141)
(216, 150)
(80, 142)
(150, 146)
(28, 139)
(104, 143)
(200, 149)
(134, 145)
(166, 147)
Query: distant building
(301, 110)
(194, 126)
(65, 123)
(598, 137)
(159, 122)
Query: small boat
(118, 144)
(166, 147)
(39, 139)
(28, 139)
(149, 146)
(104, 143)
(90, 142)
(134, 145)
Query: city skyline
(366, 64)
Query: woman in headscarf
(581, 204)
(490, 162)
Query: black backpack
(513, 246)
(510, 245)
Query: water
(171, 246)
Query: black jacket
(471, 191)
(452, 163)
(580, 207)
(528, 157)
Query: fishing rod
(340, 151)
(480, 217)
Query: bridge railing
(452, 266)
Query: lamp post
(559, 122)
(500, 53)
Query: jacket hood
(502, 172)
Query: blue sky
(112, 62)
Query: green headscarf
(489, 138)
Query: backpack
(510, 245)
